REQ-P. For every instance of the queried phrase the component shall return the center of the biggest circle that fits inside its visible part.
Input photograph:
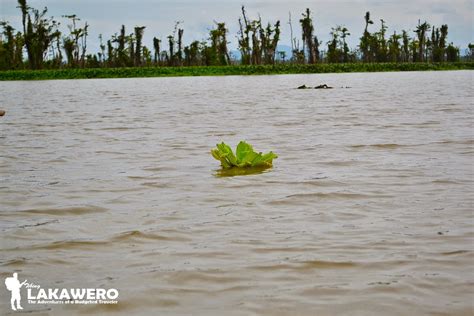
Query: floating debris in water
(321, 86)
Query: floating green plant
(245, 157)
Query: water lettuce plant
(244, 157)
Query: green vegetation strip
(51, 74)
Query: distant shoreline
(143, 72)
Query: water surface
(368, 209)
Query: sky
(197, 17)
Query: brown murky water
(368, 209)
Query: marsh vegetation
(42, 44)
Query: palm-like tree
(138, 50)
(344, 33)
(307, 34)
(365, 40)
(394, 47)
(420, 31)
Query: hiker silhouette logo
(14, 286)
(37, 295)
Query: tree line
(41, 45)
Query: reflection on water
(235, 171)
(368, 210)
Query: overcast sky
(159, 16)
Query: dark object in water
(323, 86)
(2, 113)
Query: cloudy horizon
(197, 17)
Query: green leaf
(243, 149)
(226, 152)
(245, 156)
